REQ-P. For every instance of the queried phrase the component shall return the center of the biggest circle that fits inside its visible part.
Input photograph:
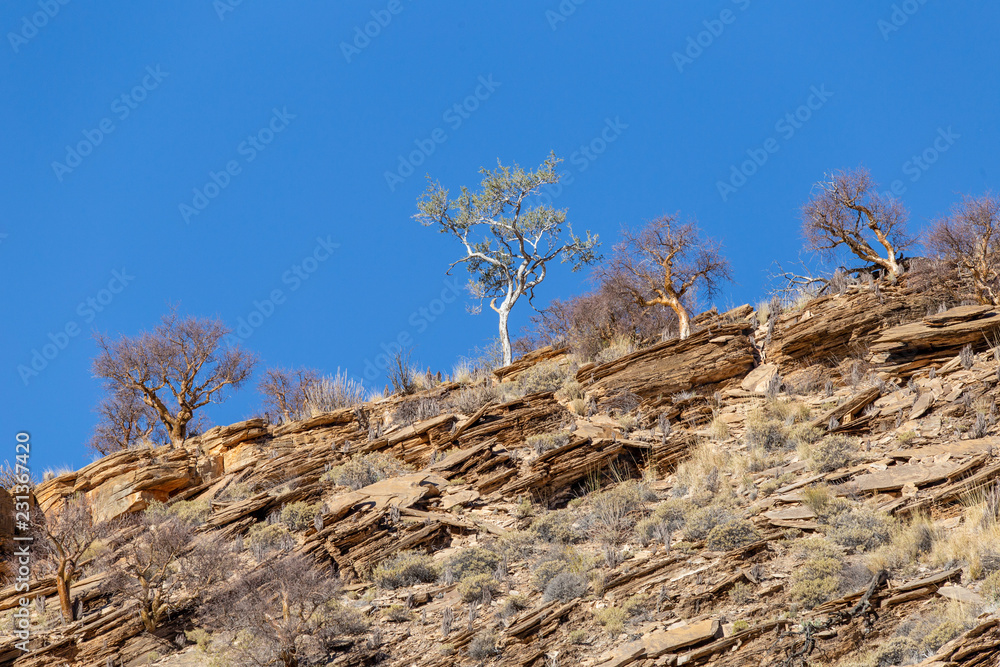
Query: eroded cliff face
(814, 489)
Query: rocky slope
(815, 488)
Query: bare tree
(665, 263)
(846, 209)
(508, 241)
(968, 241)
(65, 535)
(285, 390)
(283, 611)
(161, 565)
(176, 369)
(125, 421)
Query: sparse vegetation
(405, 569)
(365, 469)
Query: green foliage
(475, 586)
(702, 520)
(200, 637)
(831, 453)
(191, 512)
(544, 442)
(473, 561)
(365, 469)
(556, 527)
(732, 534)
(565, 586)
(405, 569)
(578, 636)
(264, 538)
(298, 515)
(612, 619)
(860, 527)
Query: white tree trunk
(504, 312)
(683, 320)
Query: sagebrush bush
(472, 561)
(405, 569)
(614, 512)
(831, 453)
(416, 410)
(332, 393)
(468, 401)
(990, 588)
(191, 512)
(544, 442)
(896, 651)
(556, 526)
(765, 433)
(612, 619)
(861, 527)
(483, 646)
(298, 515)
(731, 534)
(365, 469)
(565, 586)
(475, 586)
(265, 538)
(542, 377)
(702, 520)
(816, 580)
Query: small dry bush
(701, 521)
(473, 561)
(416, 410)
(907, 544)
(614, 513)
(565, 586)
(263, 539)
(483, 646)
(405, 569)
(298, 515)
(861, 527)
(332, 393)
(976, 543)
(365, 469)
(544, 442)
(477, 586)
(831, 453)
(556, 527)
(817, 578)
(732, 534)
(468, 401)
(612, 619)
(192, 512)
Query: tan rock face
(910, 347)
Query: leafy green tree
(508, 235)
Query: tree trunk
(63, 588)
(505, 334)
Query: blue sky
(213, 154)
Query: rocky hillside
(815, 486)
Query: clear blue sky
(330, 113)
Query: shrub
(742, 595)
(897, 651)
(578, 636)
(732, 534)
(191, 512)
(236, 492)
(573, 390)
(547, 570)
(469, 401)
(990, 588)
(613, 512)
(473, 561)
(397, 613)
(416, 410)
(544, 442)
(265, 538)
(556, 527)
(942, 634)
(816, 580)
(298, 515)
(366, 469)
(542, 377)
(701, 521)
(475, 587)
(565, 586)
(861, 528)
(512, 605)
(332, 393)
(612, 619)
(405, 569)
(830, 453)
(483, 646)
(652, 529)
(765, 433)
